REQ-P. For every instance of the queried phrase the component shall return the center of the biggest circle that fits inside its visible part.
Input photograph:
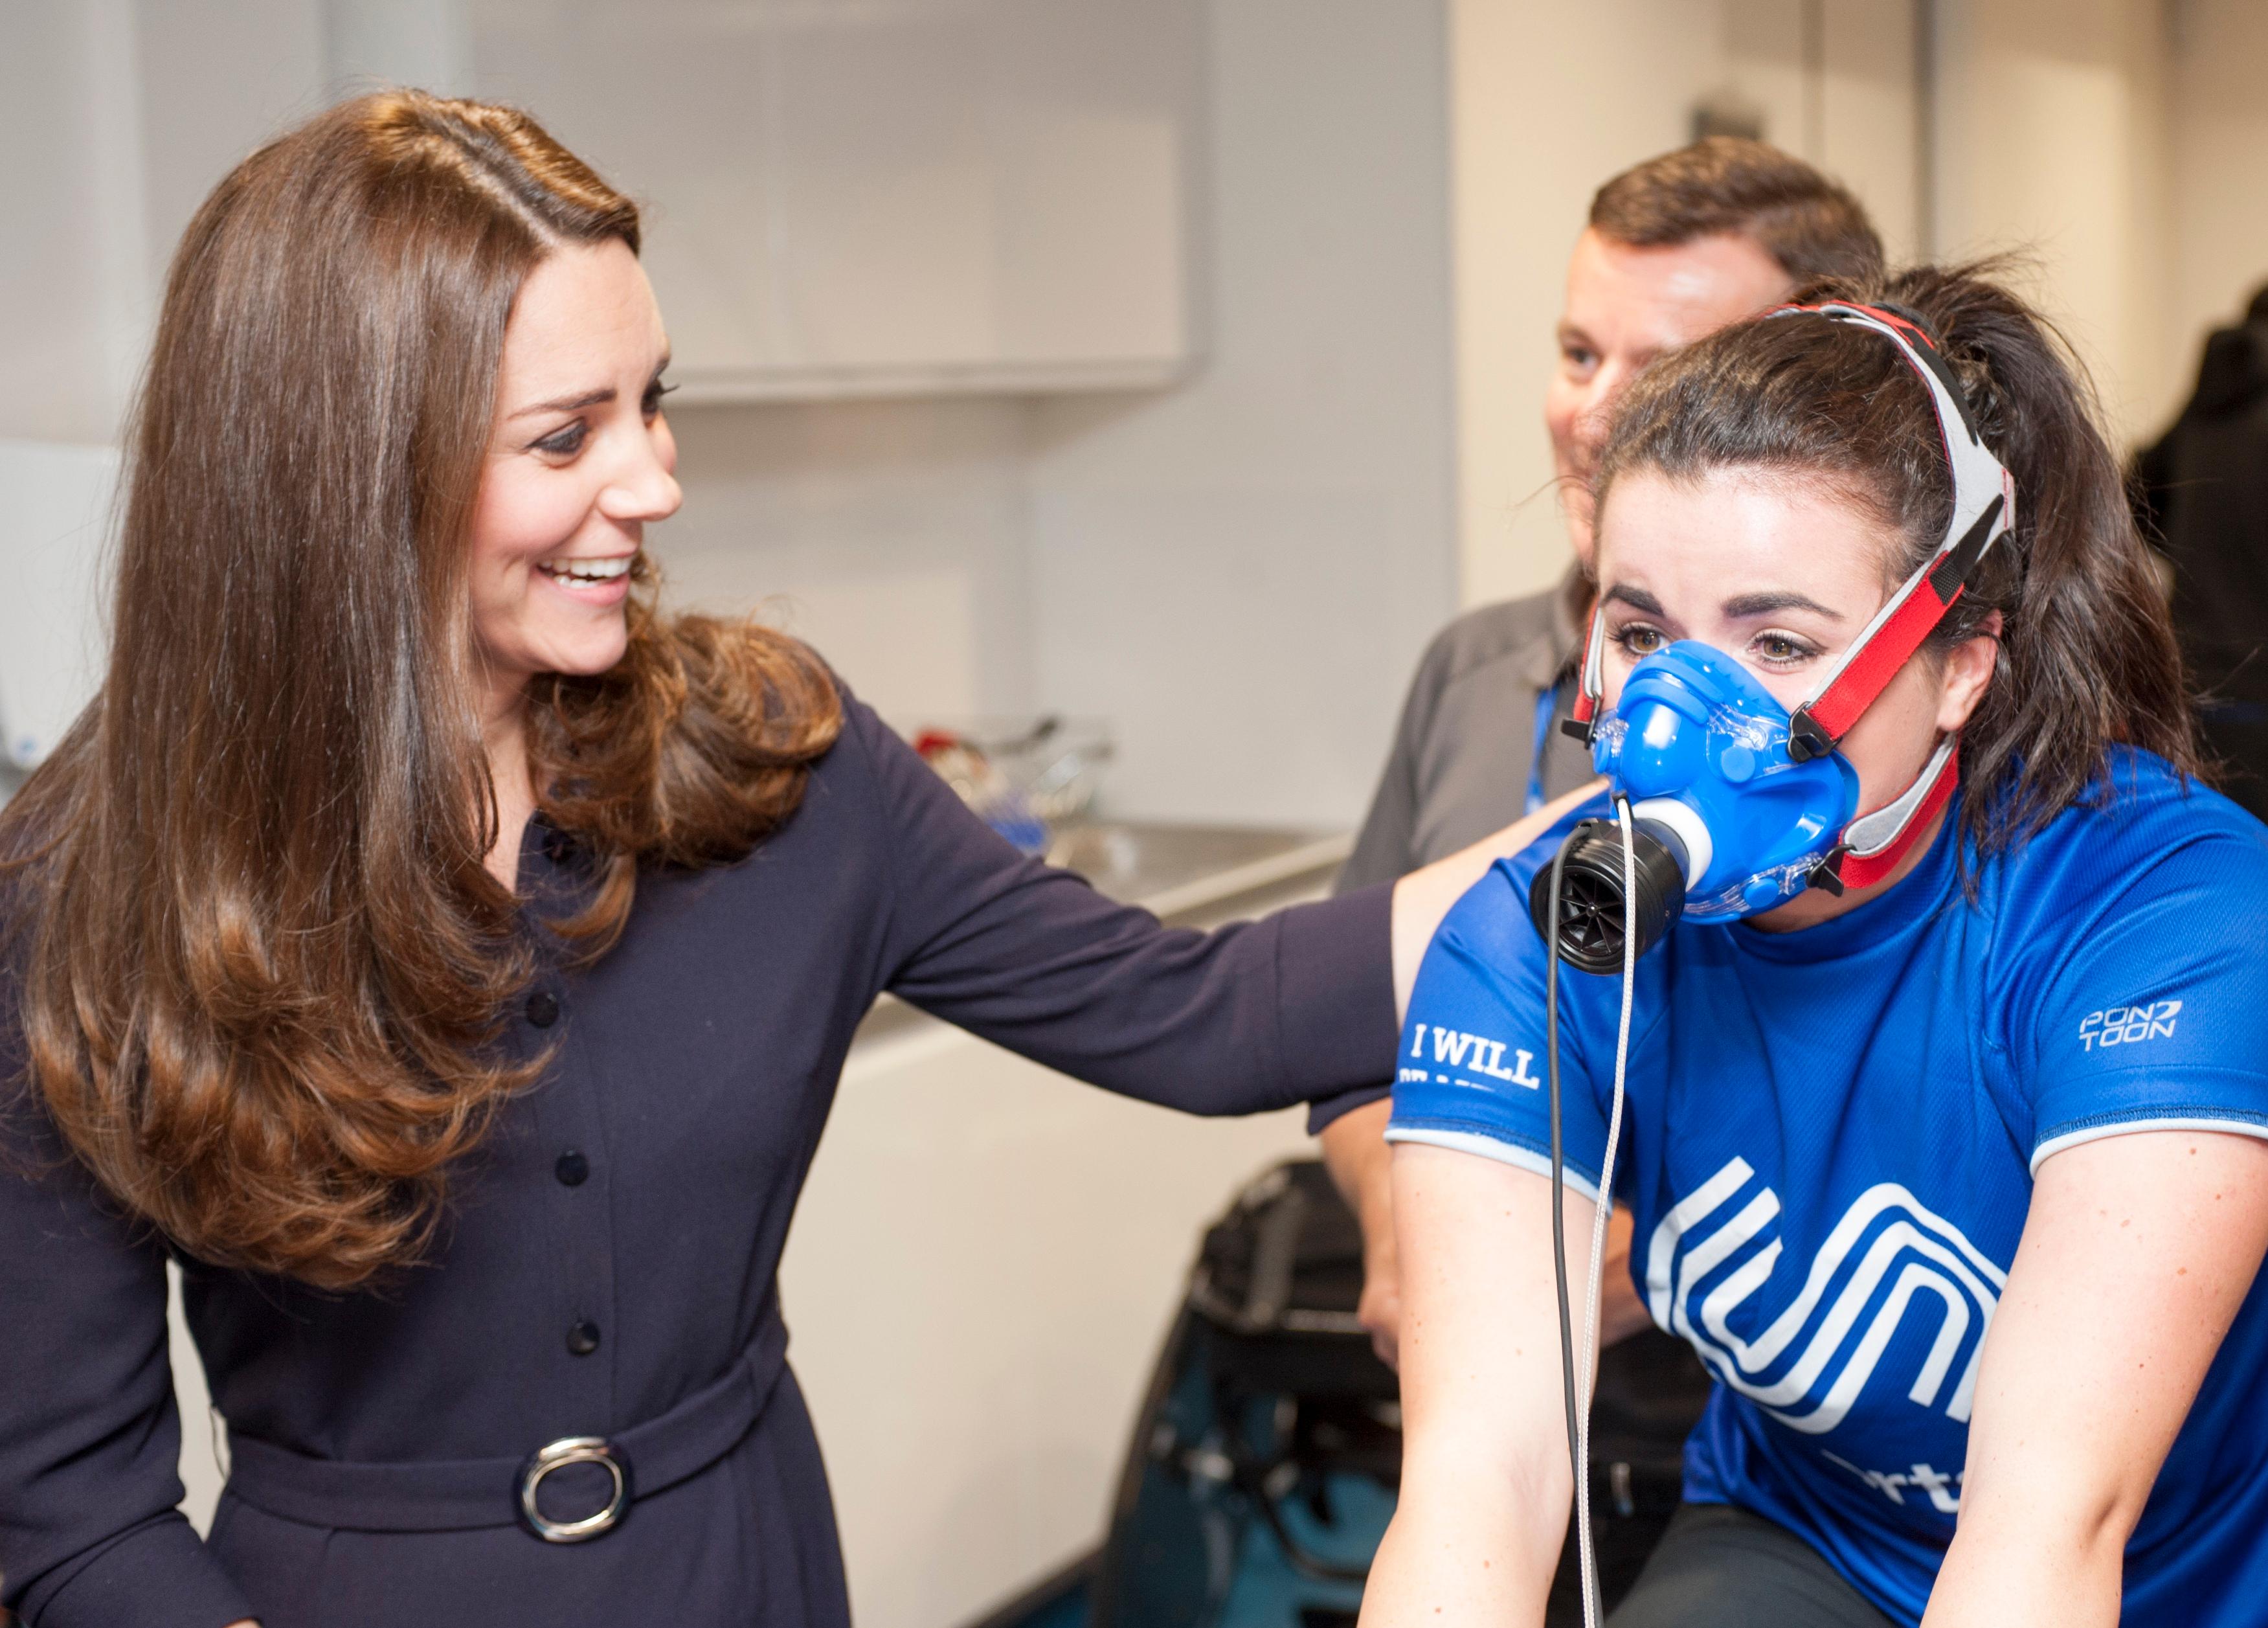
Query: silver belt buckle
(573, 1450)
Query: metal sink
(1168, 868)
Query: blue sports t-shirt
(1829, 1142)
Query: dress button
(543, 1009)
(582, 1336)
(573, 1170)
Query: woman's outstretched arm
(2136, 1254)
(1485, 1480)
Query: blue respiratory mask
(1699, 748)
(1737, 805)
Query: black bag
(1267, 1452)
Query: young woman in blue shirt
(1954, 1178)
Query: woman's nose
(644, 489)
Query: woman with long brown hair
(1943, 1125)
(449, 961)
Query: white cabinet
(884, 197)
(984, 1260)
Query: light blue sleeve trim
(2124, 1127)
(1488, 1147)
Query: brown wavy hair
(262, 961)
(1811, 226)
(2087, 657)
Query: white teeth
(587, 571)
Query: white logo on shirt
(1894, 1485)
(1477, 1053)
(2127, 1026)
(1817, 1348)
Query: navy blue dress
(608, 1266)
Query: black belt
(466, 1494)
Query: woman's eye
(650, 403)
(1780, 650)
(1637, 639)
(565, 443)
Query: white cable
(1588, 1368)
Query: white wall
(890, 534)
(2053, 141)
(1242, 571)
(2218, 154)
(1238, 571)
(73, 295)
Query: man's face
(1626, 306)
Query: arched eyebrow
(1742, 606)
(1638, 599)
(570, 404)
(589, 398)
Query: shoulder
(1490, 922)
(2156, 875)
(1478, 665)
(2144, 826)
(1518, 630)
(863, 759)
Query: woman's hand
(2137, 1253)
(1485, 1481)
(1422, 898)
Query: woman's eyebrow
(570, 404)
(1637, 599)
(1742, 605)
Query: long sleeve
(89, 1439)
(1250, 1017)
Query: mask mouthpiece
(1591, 899)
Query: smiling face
(1781, 573)
(580, 460)
(1625, 307)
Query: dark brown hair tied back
(2087, 653)
(262, 959)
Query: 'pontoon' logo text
(2127, 1026)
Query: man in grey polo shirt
(1674, 248)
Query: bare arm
(1485, 1481)
(1361, 1164)
(2137, 1253)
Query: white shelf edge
(723, 388)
